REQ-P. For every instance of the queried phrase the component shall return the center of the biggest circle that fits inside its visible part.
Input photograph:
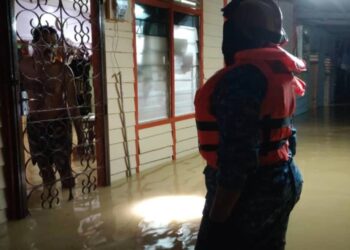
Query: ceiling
(332, 15)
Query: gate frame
(16, 192)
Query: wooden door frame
(16, 193)
(10, 113)
(101, 126)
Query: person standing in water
(52, 107)
(244, 122)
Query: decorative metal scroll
(55, 49)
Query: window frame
(172, 7)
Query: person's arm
(224, 202)
(73, 106)
(236, 105)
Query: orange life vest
(276, 110)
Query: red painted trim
(153, 124)
(165, 121)
(136, 101)
(183, 117)
(186, 10)
(155, 3)
(173, 7)
(178, 7)
(172, 63)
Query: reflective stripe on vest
(264, 147)
(207, 126)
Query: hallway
(321, 220)
(106, 219)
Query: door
(63, 122)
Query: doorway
(63, 124)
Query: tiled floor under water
(141, 213)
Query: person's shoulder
(245, 77)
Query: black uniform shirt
(236, 103)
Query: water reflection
(120, 217)
(168, 236)
(105, 219)
(169, 222)
(166, 209)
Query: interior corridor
(108, 218)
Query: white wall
(3, 204)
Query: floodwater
(161, 208)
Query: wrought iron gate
(62, 101)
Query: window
(186, 53)
(168, 69)
(153, 65)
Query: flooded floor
(161, 209)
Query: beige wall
(2, 180)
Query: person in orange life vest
(244, 122)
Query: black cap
(276, 38)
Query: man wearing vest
(244, 122)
